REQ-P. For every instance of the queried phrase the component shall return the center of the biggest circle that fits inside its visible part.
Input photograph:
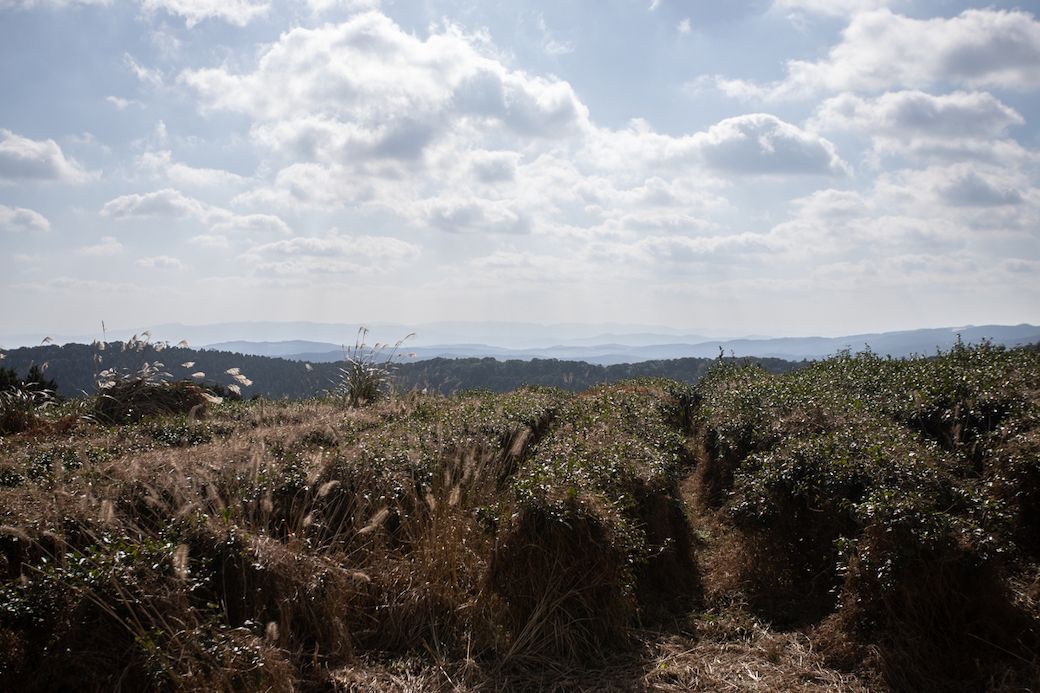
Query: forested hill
(73, 367)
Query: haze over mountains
(635, 348)
(603, 344)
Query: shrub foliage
(891, 494)
(884, 507)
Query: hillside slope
(862, 523)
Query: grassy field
(861, 524)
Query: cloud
(881, 50)
(122, 104)
(909, 114)
(170, 203)
(494, 166)
(969, 189)
(309, 185)
(684, 249)
(332, 254)
(522, 266)
(550, 44)
(19, 219)
(1006, 152)
(166, 203)
(24, 159)
(107, 246)
(237, 12)
(360, 246)
(160, 262)
(832, 225)
(323, 6)
(752, 144)
(681, 194)
(74, 286)
(210, 241)
(962, 185)
(914, 124)
(436, 132)
(165, 42)
(58, 4)
(832, 205)
(760, 143)
(161, 164)
(319, 138)
(252, 224)
(940, 209)
(832, 8)
(1029, 268)
(147, 75)
(366, 88)
(900, 271)
(475, 214)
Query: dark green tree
(36, 381)
(9, 379)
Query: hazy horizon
(504, 335)
(759, 167)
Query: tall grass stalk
(367, 374)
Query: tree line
(71, 370)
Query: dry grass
(530, 541)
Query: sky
(783, 167)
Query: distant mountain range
(600, 344)
(639, 347)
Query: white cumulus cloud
(951, 127)
(168, 203)
(19, 219)
(748, 145)
(907, 114)
(24, 159)
(882, 50)
(162, 165)
(760, 143)
(365, 87)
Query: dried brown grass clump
(294, 534)
(728, 649)
(304, 601)
(131, 400)
(155, 570)
(21, 409)
(938, 618)
(564, 587)
(106, 610)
